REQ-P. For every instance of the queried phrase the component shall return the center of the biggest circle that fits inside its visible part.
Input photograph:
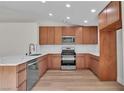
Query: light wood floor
(56, 80)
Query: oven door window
(68, 62)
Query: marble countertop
(19, 59)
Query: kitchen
(34, 54)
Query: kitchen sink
(35, 54)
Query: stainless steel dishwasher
(32, 73)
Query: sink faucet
(31, 46)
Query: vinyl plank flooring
(79, 80)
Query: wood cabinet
(78, 35)
(51, 35)
(43, 35)
(54, 61)
(13, 77)
(113, 12)
(58, 36)
(87, 61)
(94, 64)
(103, 19)
(90, 35)
(42, 65)
(110, 17)
(68, 31)
(80, 61)
(108, 62)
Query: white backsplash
(78, 48)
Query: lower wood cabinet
(87, 61)
(94, 63)
(13, 77)
(54, 61)
(80, 61)
(42, 65)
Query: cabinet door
(56, 61)
(103, 19)
(80, 62)
(58, 35)
(85, 34)
(113, 12)
(43, 34)
(93, 35)
(78, 35)
(90, 35)
(94, 62)
(51, 35)
(68, 31)
(42, 65)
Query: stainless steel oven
(68, 60)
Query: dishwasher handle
(32, 63)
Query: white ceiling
(33, 11)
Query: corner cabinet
(110, 17)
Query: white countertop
(16, 60)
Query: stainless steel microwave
(68, 39)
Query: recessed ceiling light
(50, 14)
(43, 1)
(67, 17)
(85, 21)
(68, 5)
(93, 10)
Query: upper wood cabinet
(58, 36)
(78, 35)
(43, 35)
(51, 35)
(110, 17)
(113, 12)
(90, 35)
(68, 31)
(102, 19)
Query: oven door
(68, 62)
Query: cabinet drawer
(22, 87)
(21, 77)
(21, 67)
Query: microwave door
(68, 40)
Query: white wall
(120, 51)
(15, 37)
(119, 56)
(53, 23)
(123, 36)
